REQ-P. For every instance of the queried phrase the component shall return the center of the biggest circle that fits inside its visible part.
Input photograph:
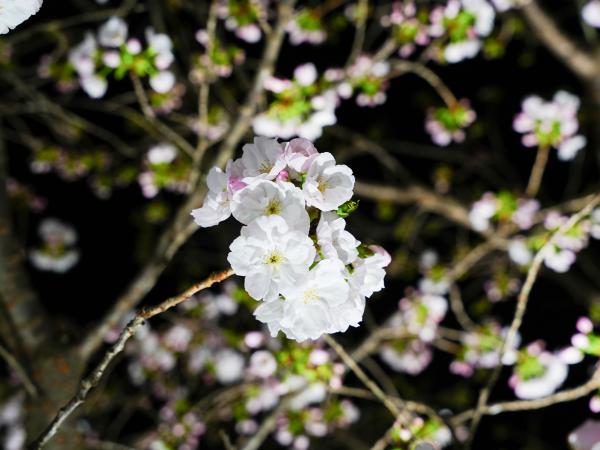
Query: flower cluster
(243, 17)
(420, 433)
(57, 252)
(551, 124)
(538, 372)
(560, 256)
(111, 52)
(311, 275)
(502, 207)
(409, 27)
(301, 107)
(481, 350)
(458, 28)
(418, 317)
(218, 59)
(368, 78)
(98, 166)
(306, 27)
(163, 170)
(447, 124)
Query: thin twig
(363, 377)
(267, 426)
(142, 98)
(19, 370)
(537, 171)
(458, 308)
(92, 380)
(566, 395)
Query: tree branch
(92, 380)
(580, 61)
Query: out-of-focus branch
(580, 61)
(419, 196)
(20, 301)
(266, 427)
(363, 377)
(19, 370)
(566, 395)
(181, 228)
(92, 380)
(425, 73)
(203, 97)
(537, 171)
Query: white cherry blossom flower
(15, 12)
(162, 154)
(113, 32)
(369, 272)
(554, 373)
(229, 366)
(216, 204)
(297, 152)
(308, 304)
(267, 198)
(81, 56)
(163, 81)
(335, 242)
(327, 185)
(262, 160)
(162, 45)
(349, 313)
(591, 13)
(271, 256)
(262, 364)
(94, 86)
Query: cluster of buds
(112, 52)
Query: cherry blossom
(271, 256)
(551, 124)
(15, 12)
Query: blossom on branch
(296, 256)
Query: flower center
(322, 185)
(274, 258)
(265, 167)
(274, 207)
(309, 295)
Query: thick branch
(580, 61)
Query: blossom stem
(362, 376)
(537, 172)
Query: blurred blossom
(586, 436)
(591, 13)
(447, 124)
(538, 373)
(306, 27)
(229, 366)
(56, 252)
(551, 124)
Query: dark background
(115, 239)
